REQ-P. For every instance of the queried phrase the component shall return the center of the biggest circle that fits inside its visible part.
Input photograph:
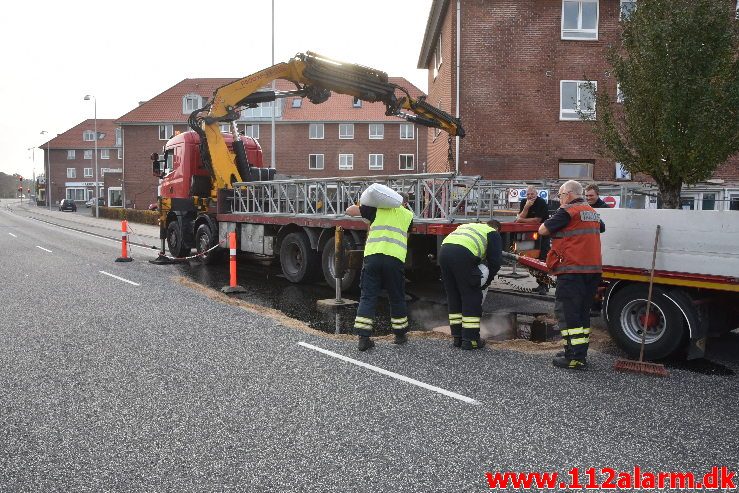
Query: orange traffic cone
(124, 243)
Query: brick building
(517, 76)
(340, 137)
(71, 158)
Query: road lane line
(44, 249)
(391, 374)
(94, 235)
(11, 234)
(119, 278)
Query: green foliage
(131, 215)
(678, 71)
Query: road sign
(613, 201)
(519, 194)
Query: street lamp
(97, 186)
(48, 171)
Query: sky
(54, 53)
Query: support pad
(334, 302)
(233, 289)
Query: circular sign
(610, 201)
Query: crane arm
(314, 77)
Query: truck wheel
(350, 281)
(175, 240)
(299, 262)
(204, 241)
(665, 328)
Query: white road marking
(44, 249)
(119, 278)
(391, 374)
(130, 245)
(11, 234)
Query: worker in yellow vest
(462, 251)
(383, 268)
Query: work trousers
(461, 279)
(381, 272)
(572, 302)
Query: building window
(104, 153)
(734, 198)
(627, 7)
(315, 131)
(115, 197)
(357, 103)
(406, 131)
(88, 135)
(576, 95)
(166, 132)
(405, 162)
(376, 161)
(251, 131)
(263, 110)
(88, 154)
(376, 130)
(118, 137)
(346, 161)
(88, 172)
(708, 201)
(77, 194)
(575, 171)
(579, 19)
(70, 154)
(190, 103)
(346, 130)
(437, 57)
(120, 153)
(315, 161)
(71, 172)
(297, 102)
(621, 173)
(225, 128)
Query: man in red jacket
(575, 259)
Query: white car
(91, 202)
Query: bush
(131, 215)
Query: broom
(641, 366)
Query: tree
(677, 117)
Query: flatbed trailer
(294, 221)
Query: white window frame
(166, 131)
(376, 131)
(404, 166)
(118, 136)
(109, 200)
(315, 131)
(252, 131)
(356, 103)
(346, 130)
(438, 59)
(75, 194)
(316, 161)
(120, 153)
(87, 154)
(88, 136)
(571, 34)
(376, 165)
(71, 172)
(628, 6)
(87, 172)
(263, 110)
(297, 102)
(406, 126)
(346, 161)
(588, 167)
(104, 153)
(71, 154)
(225, 128)
(569, 114)
(190, 103)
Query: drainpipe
(459, 32)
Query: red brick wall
(60, 163)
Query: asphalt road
(143, 383)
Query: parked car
(91, 202)
(67, 205)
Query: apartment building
(71, 159)
(340, 137)
(516, 71)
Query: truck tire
(205, 240)
(299, 262)
(176, 241)
(626, 310)
(350, 281)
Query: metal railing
(432, 196)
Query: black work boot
(365, 343)
(400, 337)
(457, 341)
(473, 344)
(570, 364)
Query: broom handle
(649, 295)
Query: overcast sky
(125, 52)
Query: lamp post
(48, 171)
(97, 187)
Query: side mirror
(156, 165)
